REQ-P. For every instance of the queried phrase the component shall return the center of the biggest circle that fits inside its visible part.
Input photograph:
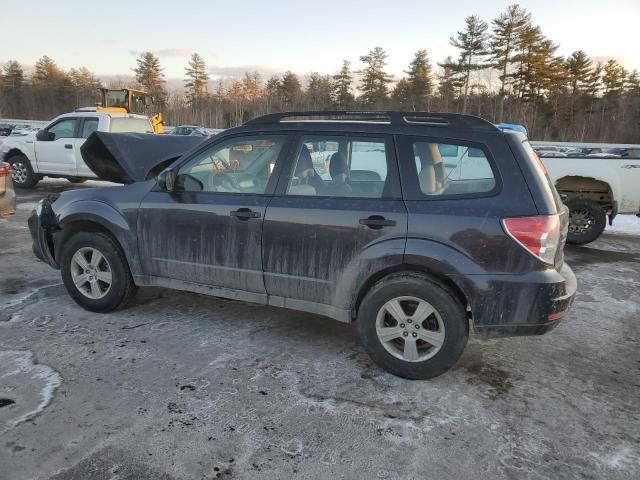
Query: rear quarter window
(131, 125)
(439, 168)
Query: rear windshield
(134, 125)
(541, 172)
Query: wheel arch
(444, 280)
(97, 217)
(596, 188)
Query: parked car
(54, 150)
(195, 130)
(7, 194)
(387, 238)
(596, 181)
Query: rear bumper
(530, 304)
(40, 228)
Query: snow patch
(627, 224)
(30, 385)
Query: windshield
(135, 125)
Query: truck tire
(76, 179)
(95, 272)
(22, 174)
(412, 326)
(587, 220)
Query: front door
(338, 204)
(57, 154)
(209, 229)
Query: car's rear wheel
(412, 326)
(95, 272)
(587, 221)
(22, 174)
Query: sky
(299, 35)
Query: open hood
(133, 157)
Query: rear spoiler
(133, 157)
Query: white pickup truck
(54, 150)
(595, 180)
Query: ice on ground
(26, 387)
(627, 224)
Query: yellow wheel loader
(129, 100)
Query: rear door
(87, 126)
(208, 230)
(337, 201)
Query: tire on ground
(451, 311)
(27, 178)
(597, 221)
(122, 287)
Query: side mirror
(166, 180)
(45, 136)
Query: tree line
(506, 70)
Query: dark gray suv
(417, 226)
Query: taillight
(4, 169)
(540, 235)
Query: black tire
(452, 315)
(122, 288)
(76, 179)
(587, 221)
(22, 173)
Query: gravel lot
(184, 386)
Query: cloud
(239, 71)
(166, 52)
(174, 52)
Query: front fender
(12, 146)
(107, 217)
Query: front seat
(339, 171)
(432, 175)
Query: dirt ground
(183, 386)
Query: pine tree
(374, 78)
(472, 45)
(579, 68)
(613, 78)
(402, 95)
(290, 90)
(341, 95)
(449, 85)
(632, 83)
(593, 83)
(150, 77)
(47, 73)
(503, 43)
(197, 79)
(83, 78)
(419, 81)
(319, 88)
(13, 75)
(252, 86)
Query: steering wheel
(223, 180)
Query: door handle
(244, 214)
(68, 145)
(377, 221)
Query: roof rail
(393, 117)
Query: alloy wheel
(410, 329)
(19, 172)
(91, 273)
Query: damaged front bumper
(42, 225)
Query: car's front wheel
(95, 272)
(412, 326)
(22, 174)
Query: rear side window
(341, 166)
(132, 125)
(445, 168)
(89, 126)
